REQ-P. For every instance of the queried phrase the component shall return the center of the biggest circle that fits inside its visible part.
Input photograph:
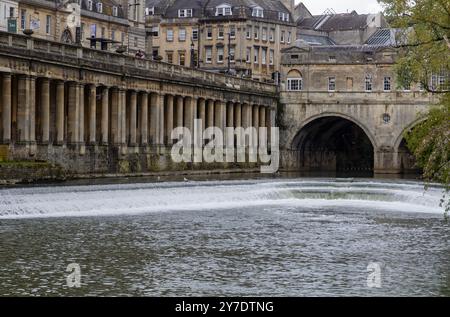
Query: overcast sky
(342, 6)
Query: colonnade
(48, 111)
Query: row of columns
(79, 113)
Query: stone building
(8, 12)
(241, 37)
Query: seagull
(185, 179)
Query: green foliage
(424, 51)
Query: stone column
(133, 114)
(230, 114)
(105, 115)
(115, 116)
(6, 108)
(262, 116)
(154, 119)
(82, 114)
(220, 115)
(237, 115)
(59, 112)
(161, 110)
(144, 118)
(32, 106)
(255, 120)
(123, 116)
(179, 111)
(202, 111)
(92, 113)
(210, 114)
(169, 118)
(246, 115)
(23, 109)
(190, 113)
(45, 110)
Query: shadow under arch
(406, 160)
(334, 142)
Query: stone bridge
(96, 112)
(349, 131)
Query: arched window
(66, 36)
(294, 81)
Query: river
(257, 237)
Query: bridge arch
(406, 161)
(334, 142)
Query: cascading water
(153, 197)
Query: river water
(261, 237)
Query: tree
(425, 58)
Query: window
(283, 16)
(283, 35)
(122, 38)
(232, 31)
(256, 32)
(209, 32)
(136, 41)
(264, 34)
(195, 34)
(223, 10)
(295, 84)
(115, 11)
(90, 5)
(155, 31)
(220, 54)
(248, 31)
(271, 57)
(169, 35)
(113, 35)
(264, 55)
(208, 54)
(182, 58)
(232, 52)
(23, 19)
(272, 35)
(256, 55)
(387, 84)
(150, 11)
(11, 12)
(220, 32)
(155, 53)
(368, 83)
(182, 35)
(258, 12)
(289, 37)
(185, 13)
(103, 30)
(248, 55)
(331, 83)
(407, 86)
(48, 23)
(82, 28)
(99, 7)
(170, 57)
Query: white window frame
(264, 34)
(332, 83)
(256, 55)
(248, 55)
(249, 31)
(150, 11)
(368, 83)
(195, 34)
(282, 36)
(209, 37)
(258, 12)
(387, 83)
(223, 10)
(115, 11)
(182, 34)
(170, 37)
(220, 32)
(272, 35)
(289, 36)
(297, 81)
(48, 24)
(271, 57)
(220, 57)
(232, 31)
(90, 5)
(208, 58)
(264, 55)
(99, 7)
(185, 13)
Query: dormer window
(115, 11)
(258, 12)
(90, 5)
(282, 16)
(100, 7)
(150, 11)
(185, 13)
(223, 10)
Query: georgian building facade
(239, 37)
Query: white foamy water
(97, 200)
